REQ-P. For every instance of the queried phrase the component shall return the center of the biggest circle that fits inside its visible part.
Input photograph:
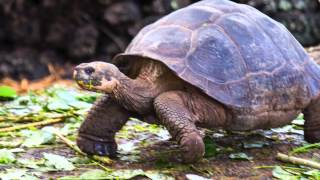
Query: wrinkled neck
(134, 94)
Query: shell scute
(170, 41)
(212, 47)
(281, 38)
(233, 53)
(252, 43)
(190, 20)
(197, 79)
(239, 93)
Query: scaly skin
(162, 95)
(312, 122)
(177, 105)
(181, 112)
(96, 134)
(174, 115)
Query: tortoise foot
(192, 148)
(97, 146)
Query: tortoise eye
(89, 70)
(108, 78)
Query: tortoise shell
(233, 53)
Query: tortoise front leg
(312, 122)
(97, 133)
(175, 116)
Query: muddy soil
(163, 155)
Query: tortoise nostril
(89, 70)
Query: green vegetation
(38, 132)
(7, 92)
(29, 123)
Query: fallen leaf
(6, 156)
(58, 105)
(58, 162)
(13, 174)
(93, 174)
(255, 144)
(28, 163)
(195, 177)
(279, 173)
(240, 156)
(37, 138)
(7, 92)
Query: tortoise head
(97, 76)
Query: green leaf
(7, 92)
(240, 156)
(131, 173)
(91, 174)
(127, 173)
(80, 105)
(155, 175)
(6, 156)
(306, 148)
(195, 177)
(36, 138)
(64, 98)
(80, 160)
(28, 163)
(70, 128)
(17, 150)
(13, 174)
(119, 174)
(313, 173)
(68, 178)
(300, 117)
(2, 111)
(255, 144)
(58, 162)
(66, 95)
(279, 173)
(298, 122)
(10, 144)
(58, 105)
(89, 97)
(94, 174)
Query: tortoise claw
(104, 150)
(192, 147)
(101, 148)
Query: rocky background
(37, 33)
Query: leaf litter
(144, 150)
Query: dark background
(35, 33)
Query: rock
(83, 41)
(24, 63)
(78, 31)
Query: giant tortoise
(213, 64)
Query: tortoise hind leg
(312, 122)
(96, 134)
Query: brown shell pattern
(232, 52)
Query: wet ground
(147, 151)
(142, 148)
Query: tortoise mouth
(88, 83)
